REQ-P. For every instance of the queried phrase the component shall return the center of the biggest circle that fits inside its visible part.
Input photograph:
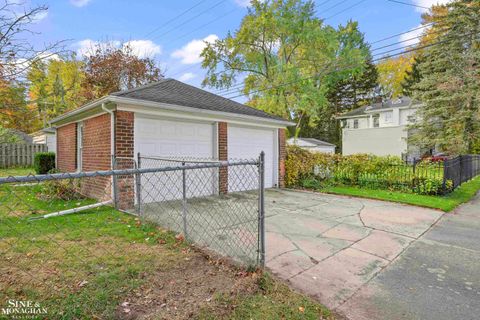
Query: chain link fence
(57, 229)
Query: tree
(346, 92)
(8, 136)
(392, 73)
(110, 68)
(17, 53)
(284, 54)
(15, 113)
(412, 77)
(56, 86)
(450, 86)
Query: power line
(402, 33)
(334, 6)
(176, 17)
(224, 15)
(409, 4)
(192, 18)
(346, 9)
(407, 40)
(313, 76)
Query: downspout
(112, 133)
(112, 151)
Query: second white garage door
(247, 143)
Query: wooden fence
(19, 155)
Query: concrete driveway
(331, 247)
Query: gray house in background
(379, 129)
(312, 144)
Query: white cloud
(413, 37)
(86, 47)
(40, 16)
(79, 3)
(140, 48)
(243, 3)
(187, 76)
(428, 3)
(190, 53)
(144, 48)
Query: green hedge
(306, 169)
(44, 162)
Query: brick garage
(168, 118)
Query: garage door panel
(172, 138)
(248, 143)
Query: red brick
(67, 148)
(223, 156)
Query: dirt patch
(184, 290)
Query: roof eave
(147, 103)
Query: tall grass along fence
(19, 154)
(304, 169)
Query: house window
(376, 121)
(355, 124)
(79, 145)
(388, 116)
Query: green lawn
(88, 265)
(446, 203)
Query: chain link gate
(217, 205)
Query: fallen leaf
(301, 309)
(83, 283)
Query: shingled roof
(171, 91)
(397, 103)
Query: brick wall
(67, 148)
(223, 155)
(281, 158)
(96, 143)
(124, 147)
(96, 156)
(124, 121)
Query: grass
(445, 203)
(16, 171)
(85, 266)
(273, 300)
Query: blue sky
(176, 44)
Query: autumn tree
(109, 68)
(450, 84)
(392, 73)
(55, 86)
(283, 55)
(15, 112)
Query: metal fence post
(114, 184)
(261, 207)
(138, 177)
(184, 200)
(445, 173)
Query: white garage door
(247, 143)
(172, 138)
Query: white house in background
(379, 129)
(312, 144)
(45, 136)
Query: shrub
(44, 162)
(65, 189)
(312, 170)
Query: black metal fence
(460, 169)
